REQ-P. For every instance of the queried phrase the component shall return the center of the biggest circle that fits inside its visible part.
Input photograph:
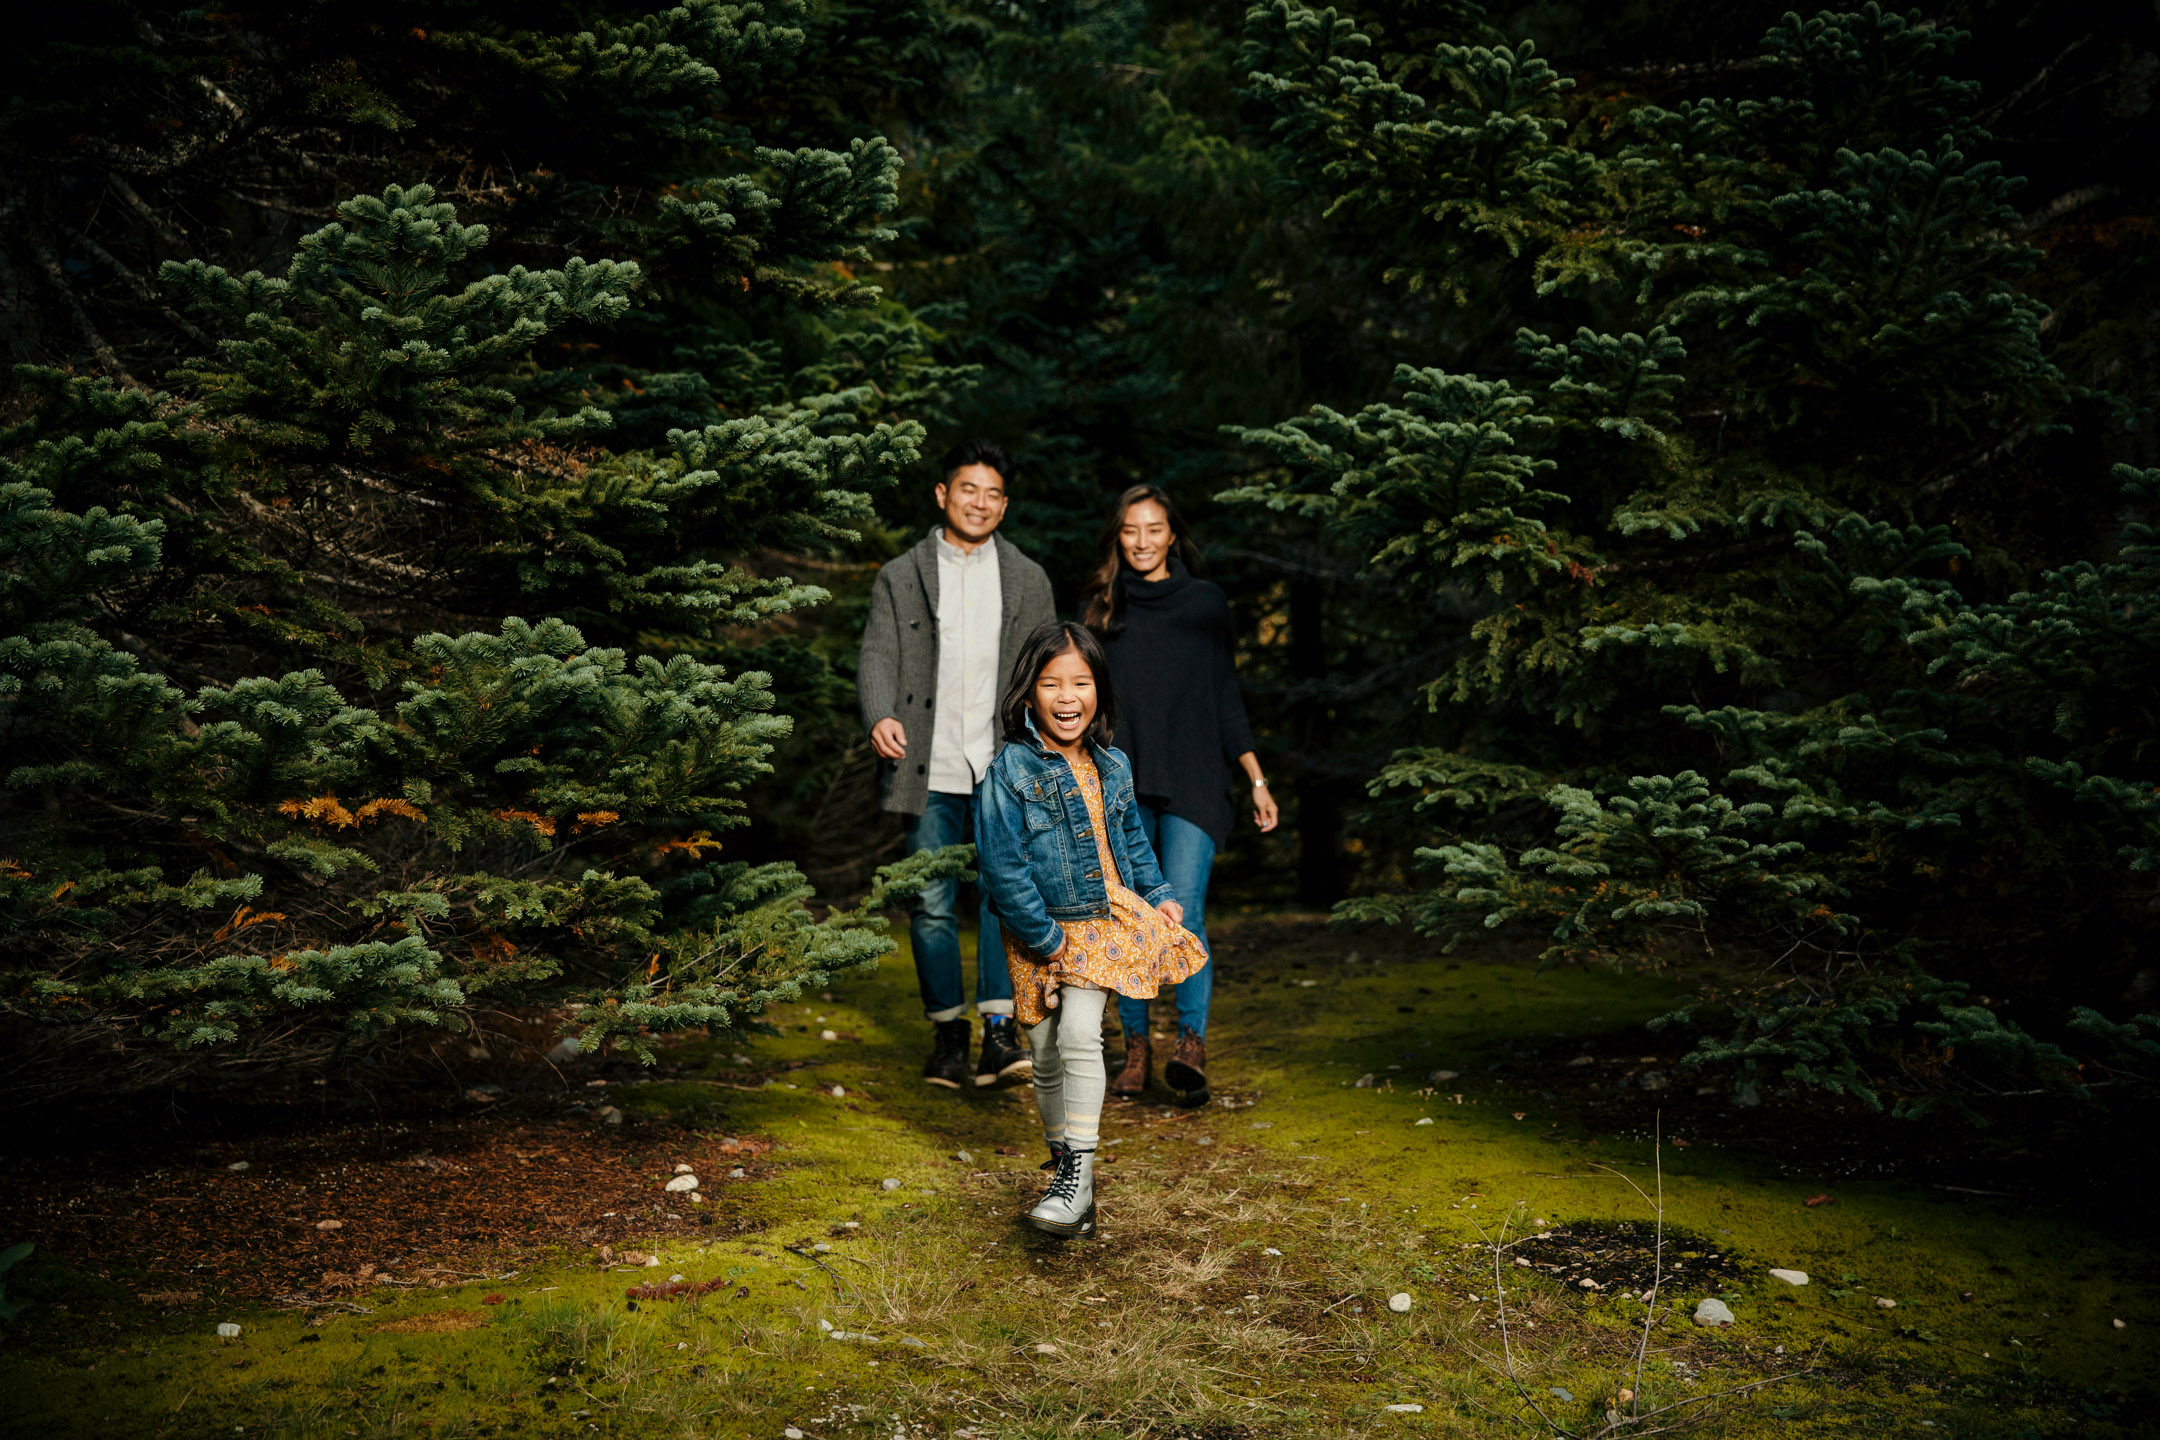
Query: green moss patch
(1241, 1284)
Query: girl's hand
(1064, 944)
(1172, 911)
(1264, 813)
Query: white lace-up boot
(1067, 1208)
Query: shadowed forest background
(1680, 470)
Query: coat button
(918, 769)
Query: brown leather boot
(1187, 1071)
(1132, 1077)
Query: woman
(1167, 636)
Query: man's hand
(1172, 911)
(889, 738)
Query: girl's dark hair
(1049, 640)
(1102, 602)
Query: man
(946, 622)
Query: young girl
(1058, 842)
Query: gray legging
(1070, 1078)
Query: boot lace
(1065, 1184)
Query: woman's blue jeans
(1187, 858)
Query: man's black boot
(1002, 1056)
(948, 1063)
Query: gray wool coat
(896, 677)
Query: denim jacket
(1035, 852)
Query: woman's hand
(1172, 911)
(1264, 813)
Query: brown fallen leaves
(504, 1189)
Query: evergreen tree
(1756, 619)
(406, 648)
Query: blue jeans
(1187, 857)
(934, 929)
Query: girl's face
(1065, 700)
(1145, 535)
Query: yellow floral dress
(1134, 950)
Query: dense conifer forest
(1685, 474)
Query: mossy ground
(1239, 1287)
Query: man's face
(973, 499)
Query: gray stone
(564, 1051)
(609, 1115)
(1652, 1080)
(1365, 1081)
(1790, 1277)
(1746, 1097)
(1712, 1313)
(888, 1184)
(1441, 1077)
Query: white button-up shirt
(963, 733)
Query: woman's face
(1145, 537)
(1065, 699)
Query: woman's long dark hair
(1102, 603)
(1049, 640)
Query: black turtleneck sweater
(1181, 720)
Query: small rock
(1441, 1077)
(565, 1049)
(825, 1325)
(963, 1157)
(1747, 1097)
(696, 1199)
(237, 1165)
(329, 1224)
(686, 1169)
(822, 1247)
(609, 1115)
(674, 1279)
(1404, 1409)
(651, 1260)
(1712, 1313)
(1399, 1302)
(1046, 1349)
(740, 1059)
(226, 1330)
(1426, 1121)
(1561, 1394)
(681, 1183)
(484, 1094)
(1271, 1250)
(911, 1340)
(1263, 1124)
(2120, 1326)
(791, 1433)
(737, 1173)
(1365, 1081)
(828, 1034)
(1588, 1284)
(1652, 1080)
(1790, 1277)
(1583, 1060)
(888, 1184)
(1886, 1302)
